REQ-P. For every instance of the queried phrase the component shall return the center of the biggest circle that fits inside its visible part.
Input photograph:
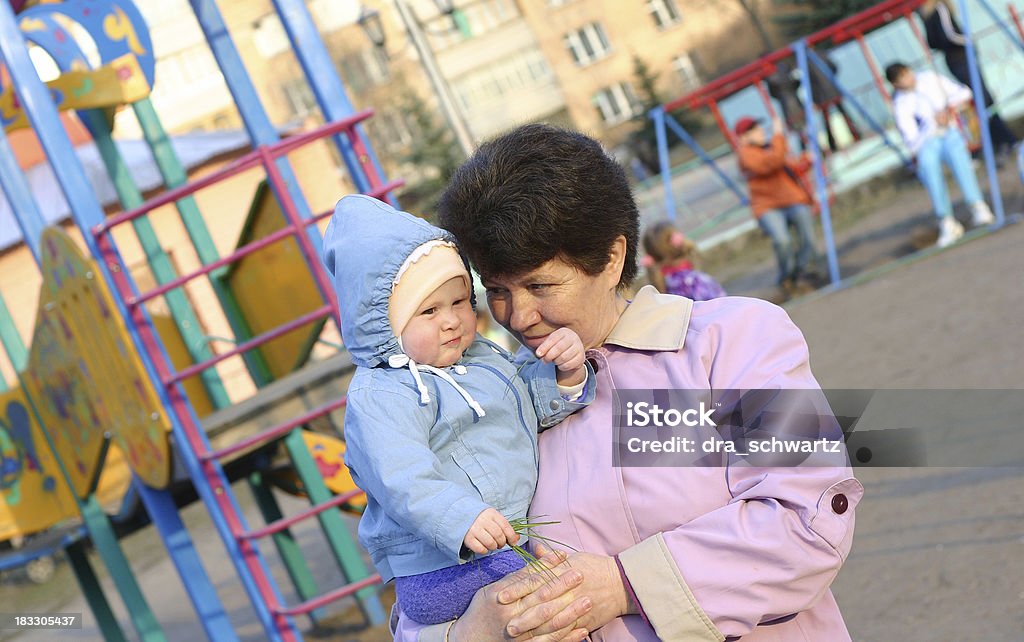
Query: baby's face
(443, 327)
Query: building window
(664, 12)
(683, 65)
(475, 19)
(492, 83)
(390, 130)
(587, 44)
(617, 103)
(300, 98)
(364, 69)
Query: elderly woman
(666, 552)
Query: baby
(441, 424)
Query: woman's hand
(543, 607)
(602, 584)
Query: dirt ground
(938, 551)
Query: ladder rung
(275, 432)
(327, 598)
(281, 524)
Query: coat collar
(653, 321)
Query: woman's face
(558, 295)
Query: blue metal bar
(163, 512)
(257, 123)
(979, 105)
(19, 197)
(800, 48)
(324, 81)
(86, 212)
(695, 146)
(847, 96)
(1020, 162)
(1000, 22)
(658, 116)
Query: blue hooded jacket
(429, 463)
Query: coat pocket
(478, 476)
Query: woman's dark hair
(894, 71)
(536, 193)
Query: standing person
(440, 426)
(670, 264)
(926, 106)
(779, 200)
(696, 553)
(944, 34)
(826, 96)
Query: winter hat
(427, 268)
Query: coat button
(554, 404)
(840, 504)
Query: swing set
(810, 63)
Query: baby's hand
(564, 348)
(489, 532)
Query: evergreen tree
(433, 153)
(804, 17)
(643, 141)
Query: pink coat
(710, 552)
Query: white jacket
(915, 110)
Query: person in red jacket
(778, 198)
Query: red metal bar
(281, 524)
(327, 598)
(873, 66)
(319, 313)
(290, 143)
(766, 97)
(244, 251)
(277, 431)
(249, 160)
(1016, 20)
(243, 163)
(179, 405)
(291, 214)
(867, 20)
(728, 84)
(921, 39)
(722, 125)
(241, 252)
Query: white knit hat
(427, 268)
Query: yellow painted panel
(85, 376)
(181, 359)
(33, 495)
(274, 286)
(118, 82)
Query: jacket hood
(365, 244)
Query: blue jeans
(951, 149)
(793, 258)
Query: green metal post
(90, 585)
(97, 524)
(163, 271)
(287, 547)
(338, 536)
(174, 175)
(105, 542)
(12, 342)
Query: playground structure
(106, 409)
(753, 76)
(271, 290)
